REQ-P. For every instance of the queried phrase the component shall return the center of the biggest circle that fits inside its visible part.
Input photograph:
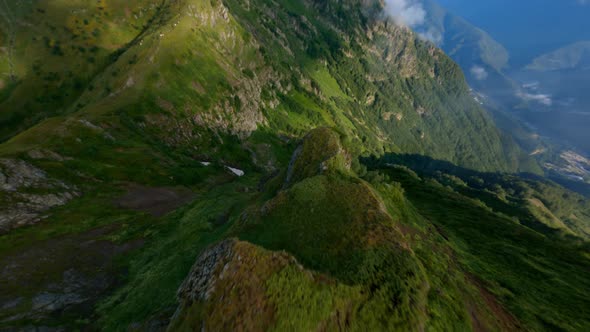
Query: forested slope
(158, 155)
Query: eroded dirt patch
(59, 278)
(157, 201)
(503, 318)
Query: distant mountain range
(574, 56)
(482, 58)
(538, 93)
(527, 28)
(484, 61)
(275, 165)
(563, 77)
(462, 40)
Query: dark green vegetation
(196, 66)
(111, 190)
(520, 265)
(377, 272)
(532, 200)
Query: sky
(527, 28)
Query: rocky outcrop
(40, 154)
(17, 173)
(200, 282)
(230, 280)
(26, 192)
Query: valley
(540, 98)
(183, 165)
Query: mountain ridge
(285, 126)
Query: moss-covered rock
(237, 286)
(321, 152)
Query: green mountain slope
(390, 251)
(158, 131)
(206, 67)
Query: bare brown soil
(503, 318)
(59, 277)
(157, 201)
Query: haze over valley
(293, 165)
(528, 63)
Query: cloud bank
(411, 13)
(543, 99)
(406, 12)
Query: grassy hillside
(158, 130)
(156, 61)
(528, 272)
(347, 253)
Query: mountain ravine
(253, 165)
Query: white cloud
(432, 35)
(411, 13)
(539, 98)
(533, 86)
(406, 12)
(479, 73)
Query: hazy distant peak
(462, 40)
(568, 57)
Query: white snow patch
(236, 171)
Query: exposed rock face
(201, 280)
(17, 173)
(26, 208)
(230, 280)
(46, 154)
(29, 210)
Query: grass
(303, 304)
(320, 152)
(82, 214)
(55, 31)
(156, 272)
(341, 226)
(328, 84)
(540, 279)
(162, 91)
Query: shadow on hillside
(425, 165)
(428, 166)
(505, 193)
